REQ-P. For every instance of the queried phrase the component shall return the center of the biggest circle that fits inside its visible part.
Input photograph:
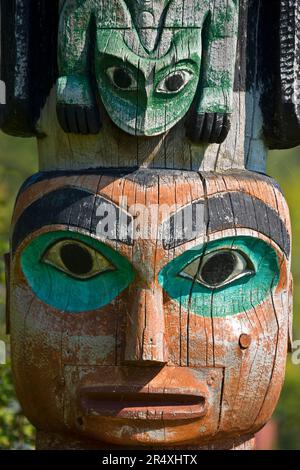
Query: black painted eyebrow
(230, 211)
(76, 208)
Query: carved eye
(77, 259)
(219, 268)
(174, 82)
(122, 78)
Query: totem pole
(149, 284)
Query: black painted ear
(28, 61)
(280, 40)
(208, 128)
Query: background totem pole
(149, 285)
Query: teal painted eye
(223, 278)
(122, 78)
(174, 82)
(218, 268)
(74, 273)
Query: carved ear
(281, 72)
(28, 61)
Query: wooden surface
(149, 280)
(229, 344)
(263, 107)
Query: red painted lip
(142, 403)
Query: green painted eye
(218, 268)
(122, 78)
(174, 82)
(223, 278)
(77, 259)
(73, 272)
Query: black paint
(73, 208)
(122, 78)
(174, 82)
(208, 128)
(28, 61)
(76, 259)
(279, 30)
(267, 59)
(227, 211)
(218, 269)
(78, 119)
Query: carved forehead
(181, 187)
(146, 27)
(220, 203)
(151, 14)
(181, 46)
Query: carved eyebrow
(78, 208)
(226, 211)
(75, 208)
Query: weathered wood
(281, 72)
(162, 319)
(28, 61)
(150, 285)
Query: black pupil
(76, 259)
(218, 269)
(122, 79)
(174, 82)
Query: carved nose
(145, 339)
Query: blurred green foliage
(284, 166)
(15, 431)
(18, 160)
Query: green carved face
(147, 95)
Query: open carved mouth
(142, 404)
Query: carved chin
(145, 126)
(145, 433)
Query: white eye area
(218, 268)
(76, 259)
(174, 82)
(122, 78)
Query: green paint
(148, 40)
(64, 292)
(147, 110)
(238, 296)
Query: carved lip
(142, 403)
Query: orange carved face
(150, 309)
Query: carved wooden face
(159, 326)
(147, 60)
(147, 95)
(148, 64)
